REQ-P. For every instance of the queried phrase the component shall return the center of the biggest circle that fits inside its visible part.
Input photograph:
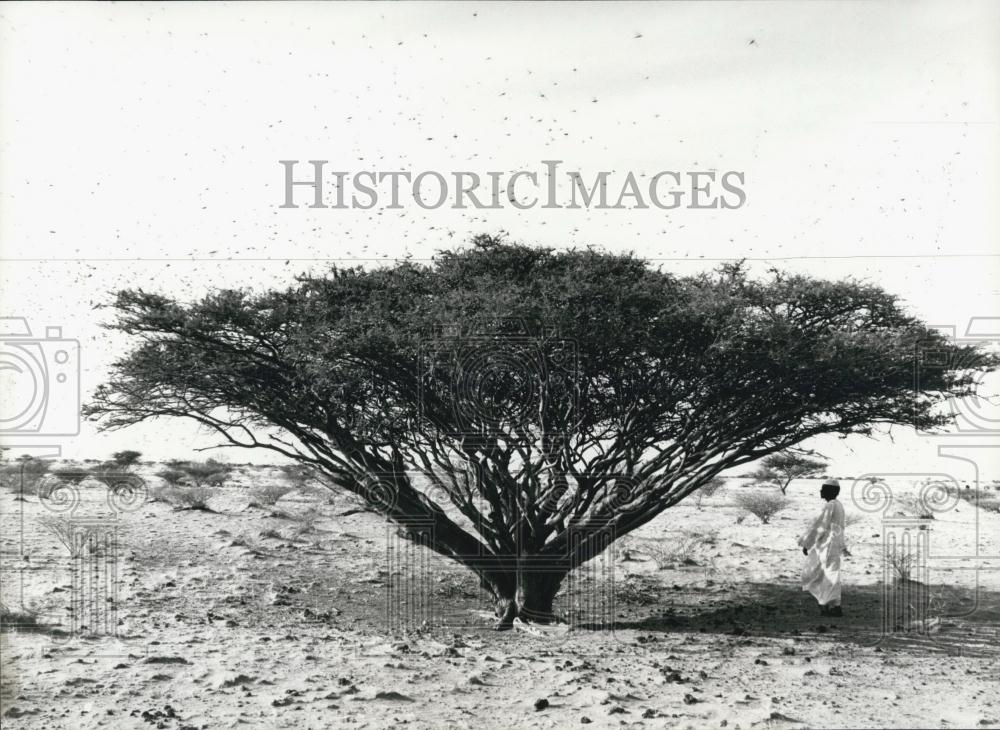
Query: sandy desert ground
(250, 617)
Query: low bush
(127, 459)
(173, 477)
(26, 476)
(268, 496)
(205, 473)
(763, 505)
(194, 498)
(902, 565)
(983, 498)
(158, 494)
(708, 490)
(111, 475)
(71, 476)
(13, 619)
(671, 552)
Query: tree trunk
(529, 598)
(535, 594)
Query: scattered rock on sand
(230, 679)
(165, 660)
(17, 712)
(672, 676)
(393, 695)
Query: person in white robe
(823, 544)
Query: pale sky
(141, 146)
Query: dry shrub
(982, 498)
(209, 472)
(199, 473)
(671, 552)
(113, 476)
(625, 549)
(268, 496)
(71, 476)
(29, 472)
(158, 494)
(903, 565)
(173, 477)
(195, 498)
(216, 479)
(763, 505)
(305, 522)
(708, 489)
(12, 619)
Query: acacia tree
(126, 459)
(518, 408)
(708, 489)
(781, 468)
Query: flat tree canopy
(784, 467)
(518, 408)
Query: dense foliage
(518, 408)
